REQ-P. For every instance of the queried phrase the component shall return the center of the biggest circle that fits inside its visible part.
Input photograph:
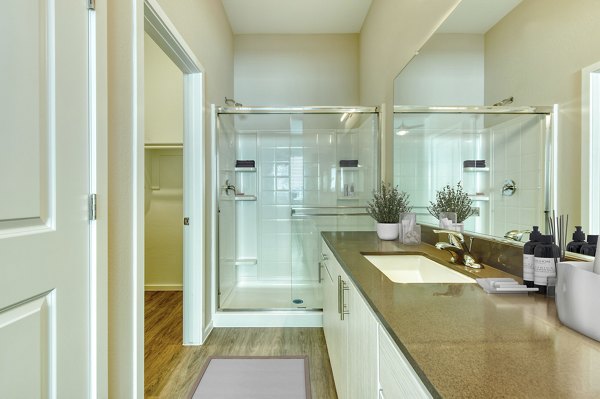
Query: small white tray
(503, 285)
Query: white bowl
(578, 297)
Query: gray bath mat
(236, 377)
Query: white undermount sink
(415, 269)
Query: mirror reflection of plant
(388, 203)
(450, 199)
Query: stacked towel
(474, 163)
(503, 285)
(348, 163)
(245, 163)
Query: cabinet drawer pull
(344, 308)
(340, 293)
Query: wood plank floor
(171, 369)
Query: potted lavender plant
(385, 207)
(452, 199)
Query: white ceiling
(296, 16)
(477, 16)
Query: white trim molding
(590, 147)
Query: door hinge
(91, 4)
(186, 221)
(92, 206)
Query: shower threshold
(253, 296)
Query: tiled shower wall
(296, 169)
(517, 148)
(431, 156)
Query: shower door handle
(227, 187)
(320, 271)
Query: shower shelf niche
(245, 169)
(473, 169)
(245, 197)
(351, 176)
(246, 262)
(474, 197)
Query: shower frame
(268, 316)
(550, 138)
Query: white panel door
(44, 186)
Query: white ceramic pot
(387, 231)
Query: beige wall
(296, 69)
(163, 96)
(125, 100)
(447, 71)
(204, 26)
(391, 34)
(536, 55)
(163, 228)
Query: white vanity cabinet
(362, 348)
(397, 379)
(335, 329)
(366, 363)
(351, 333)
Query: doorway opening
(174, 158)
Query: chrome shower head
(506, 101)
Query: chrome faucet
(229, 187)
(457, 247)
(516, 234)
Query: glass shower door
(227, 215)
(307, 225)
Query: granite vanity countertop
(465, 343)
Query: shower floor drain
(298, 301)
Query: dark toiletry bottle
(544, 255)
(578, 240)
(589, 248)
(528, 248)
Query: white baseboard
(163, 287)
(207, 331)
(268, 319)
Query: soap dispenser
(578, 240)
(589, 248)
(545, 256)
(528, 248)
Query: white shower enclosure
(285, 175)
(489, 149)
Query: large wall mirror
(524, 56)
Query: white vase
(387, 231)
(460, 227)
